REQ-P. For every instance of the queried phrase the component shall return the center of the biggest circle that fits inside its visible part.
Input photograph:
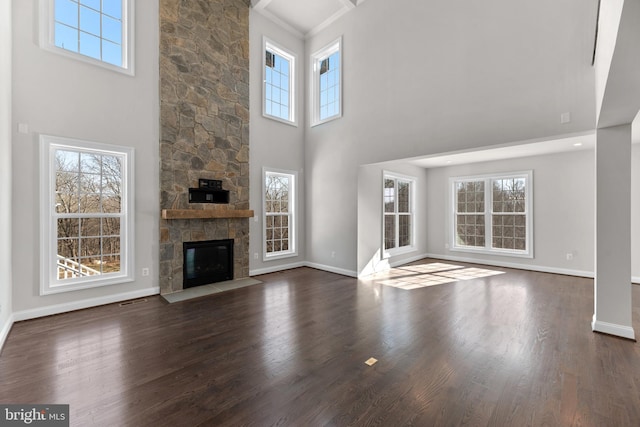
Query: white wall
(563, 215)
(274, 144)
(370, 221)
(635, 211)
(5, 170)
(431, 77)
(56, 95)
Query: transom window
(98, 31)
(279, 210)
(493, 213)
(279, 83)
(327, 82)
(398, 213)
(86, 222)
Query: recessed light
(448, 162)
(578, 144)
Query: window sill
(86, 284)
(279, 120)
(278, 256)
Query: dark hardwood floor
(512, 349)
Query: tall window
(279, 83)
(493, 214)
(98, 31)
(86, 224)
(327, 83)
(398, 213)
(279, 210)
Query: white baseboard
(612, 329)
(323, 267)
(404, 261)
(542, 269)
(331, 269)
(259, 271)
(79, 305)
(4, 333)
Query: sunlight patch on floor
(424, 275)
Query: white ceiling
(304, 17)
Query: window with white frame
(279, 83)
(493, 214)
(398, 203)
(95, 31)
(86, 214)
(279, 214)
(327, 83)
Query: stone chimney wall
(204, 124)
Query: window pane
(112, 8)
(66, 37)
(111, 226)
(389, 195)
(68, 227)
(112, 29)
(68, 248)
(95, 4)
(111, 264)
(90, 21)
(111, 203)
(90, 227)
(89, 203)
(389, 231)
(90, 45)
(111, 245)
(67, 197)
(66, 12)
(404, 233)
(112, 53)
(90, 246)
(403, 196)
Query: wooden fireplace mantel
(206, 214)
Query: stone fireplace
(204, 114)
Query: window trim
(488, 213)
(268, 44)
(293, 217)
(387, 253)
(316, 58)
(47, 38)
(48, 238)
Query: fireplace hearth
(206, 262)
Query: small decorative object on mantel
(208, 191)
(214, 184)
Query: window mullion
(488, 214)
(396, 209)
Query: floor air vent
(132, 302)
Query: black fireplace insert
(208, 261)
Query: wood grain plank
(206, 213)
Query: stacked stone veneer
(204, 113)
